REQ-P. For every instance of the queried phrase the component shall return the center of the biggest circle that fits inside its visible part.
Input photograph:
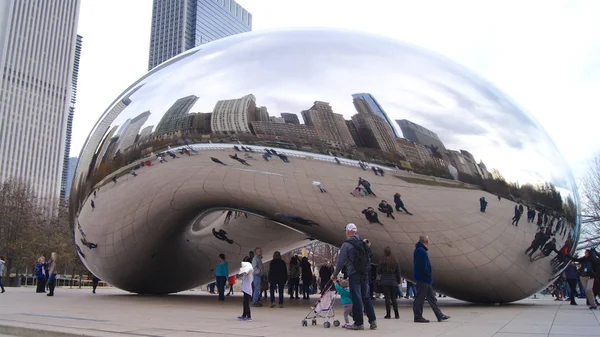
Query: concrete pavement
(77, 312)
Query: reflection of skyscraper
(180, 25)
(377, 109)
(262, 115)
(279, 120)
(234, 115)
(354, 132)
(37, 49)
(65, 183)
(101, 154)
(176, 112)
(330, 127)
(374, 131)
(290, 118)
(70, 173)
(129, 135)
(420, 135)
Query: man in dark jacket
(324, 275)
(424, 278)
(277, 277)
(571, 276)
(546, 250)
(359, 282)
(538, 241)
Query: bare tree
(590, 197)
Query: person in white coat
(247, 276)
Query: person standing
(355, 256)
(589, 264)
(571, 277)
(400, 204)
(294, 277)
(389, 278)
(424, 278)
(2, 265)
(40, 275)
(221, 274)
(307, 277)
(258, 272)
(52, 274)
(324, 276)
(95, 282)
(231, 280)
(342, 289)
(277, 278)
(247, 276)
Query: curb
(22, 331)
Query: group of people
(45, 274)
(354, 262)
(385, 208)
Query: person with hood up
(424, 277)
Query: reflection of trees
(431, 169)
(590, 193)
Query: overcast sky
(544, 54)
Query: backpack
(360, 256)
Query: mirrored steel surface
(158, 224)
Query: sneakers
(258, 304)
(443, 318)
(421, 320)
(355, 327)
(345, 326)
(241, 317)
(373, 326)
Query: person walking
(571, 276)
(221, 274)
(294, 271)
(258, 272)
(424, 278)
(589, 264)
(400, 204)
(2, 265)
(389, 278)
(95, 281)
(52, 274)
(231, 281)
(355, 256)
(277, 277)
(247, 277)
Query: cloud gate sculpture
(260, 139)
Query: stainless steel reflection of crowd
(161, 179)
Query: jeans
(257, 282)
(306, 289)
(221, 283)
(410, 289)
(279, 285)
(425, 290)
(1, 285)
(359, 292)
(246, 304)
(573, 287)
(293, 286)
(52, 284)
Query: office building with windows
(420, 135)
(180, 25)
(38, 42)
(377, 109)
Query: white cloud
(541, 53)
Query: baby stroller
(323, 307)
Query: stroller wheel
(326, 325)
(304, 322)
(314, 322)
(336, 323)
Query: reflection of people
(517, 216)
(546, 250)
(386, 208)
(366, 185)
(424, 277)
(400, 204)
(371, 216)
(482, 204)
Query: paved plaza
(77, 312)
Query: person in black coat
(590, 270)
(277, 277)
(386, 208)
(324, 275)
(307, 277)
(389, 279)
(371, 216)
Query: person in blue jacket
(424, 277)
(221, 275)
(342, 288)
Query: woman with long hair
(52, 274)
(389, 274)
(294, 277)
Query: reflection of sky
(288, 70)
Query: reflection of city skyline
(370, 128)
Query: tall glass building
(39, 51)
(378, 110)
(180, 25)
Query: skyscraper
(38, 42)
(330, 127)
(290, 118)
(374, 131)
(420, 135)
(69, 164)
(234, 115)
(372, 102)
(176, 112)
(180, 25)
